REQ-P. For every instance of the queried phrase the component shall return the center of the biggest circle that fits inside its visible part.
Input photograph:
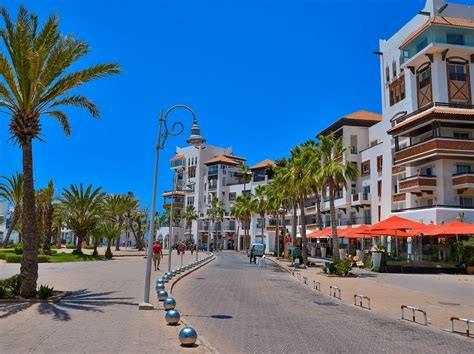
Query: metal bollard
(465, 320)
(414, 311)
(316, 285)
(333, 290)
(305, 280)
(361, 297)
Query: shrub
(70, 246)
(10, 287)
(3, 255)
(42, 258)
(45, 291)
(18, 248)
(13, 258)
(89, 247)
(341, 267)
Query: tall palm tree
(83, 209)
(12, 191)
(189, 215)
(313, 152)
(247, 176)
(335, 173)
(273, 204)
(36, 81)
(48, 210)
(117, 208)
(216, 212)
(111, 231)
(259, 205)
(242, 210)
(59, 221)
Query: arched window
(424, 86)
(459, 88)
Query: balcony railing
(359, 198)
(417, 182)
(460, 180)
(398, 120)
(433, 206)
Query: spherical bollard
(160, 280)
(187, 336)
(169, 303)
(172, 317)
(167, 278)
(160, 286)
(173, 273)
(162, 295)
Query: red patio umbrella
(454, 228)
(396, 223)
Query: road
(241, 308)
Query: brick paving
(101, 316)
(241, 308)
(442, 296)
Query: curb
(189, 272)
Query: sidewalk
(101, 315)
(389, 291)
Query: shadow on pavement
(80, 300)
(217, 317)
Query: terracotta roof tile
(364, 115)
(439, 20)
(262, 164)
(224, 159)
(177, 157)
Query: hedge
(16, 258)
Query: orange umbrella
(426, 230)
(356, 232)
(396, 223)
(391, 232)
(454, 228)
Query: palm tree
(111, 231)
(242, 210)
(189, 215)
(216, 213)
(59, 217)
(48, 210)
(35, 82)
(334, 173)
(12, 191)
(82, 208)
(117, 208)
(259, 205)
(247, 174)
(316, 184)
(274, 202)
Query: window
(429, 172)
(422, 45)
(459, 87)
(457, 71)
(461, 135)
(379, 163)
(423, 82)
(192, 171)
(465, 202)
(460, 169)
(365, 168)
(379, 188)
(353, 144)
(190, 201)
(453, 38)
(387, 74)
(232, 196)
(366, 189)
(394, 69)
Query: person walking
(157, 254)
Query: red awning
(452, 229)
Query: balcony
(463, 180)
(360, 199)
(398, 169)
(435, 148)
(399, 197)
(417, 184)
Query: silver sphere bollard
(169, 303)
(160, 280)
(160, 286)
(172, 317)
(162, 295)
(167, 278)
(187, 336)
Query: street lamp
(162, 135)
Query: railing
(465, 320)
(414, 310)
(433, 206)
(316, 285)
(334, 291)
(417, 175)
(358, 301)
(398, 120)
(429, 138)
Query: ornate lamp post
(163, 133)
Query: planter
(313, 251)
(376, 259)
(323, 252)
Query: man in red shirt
(157, 253)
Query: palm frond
(62, 119)
(78, 101)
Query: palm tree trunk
(15, 218)
(335, 239)
(304, 252)
(29, 261)
(263, 228)
(293, 225)
(108, 252)
(319, 218)
(48, 229)
(80, 239)
(138, 241)
(277, 232)
(58, 237)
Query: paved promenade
(241, 308)
(442, 296)
(101, 316)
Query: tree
(117, 208)
(59, 217)
(216, 213)
(274, 202)
(316, 184)
(48, 210)
(12, 191)
(189, 215)
(334, 173)
(259, 206)
(242, 210)
(111, 231)
(82, 209)
(35, 83)
(247, 176)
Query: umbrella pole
(397, 246)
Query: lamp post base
(145, 306)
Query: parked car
(255, 250)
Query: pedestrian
(157, 254)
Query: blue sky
(262, 76)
